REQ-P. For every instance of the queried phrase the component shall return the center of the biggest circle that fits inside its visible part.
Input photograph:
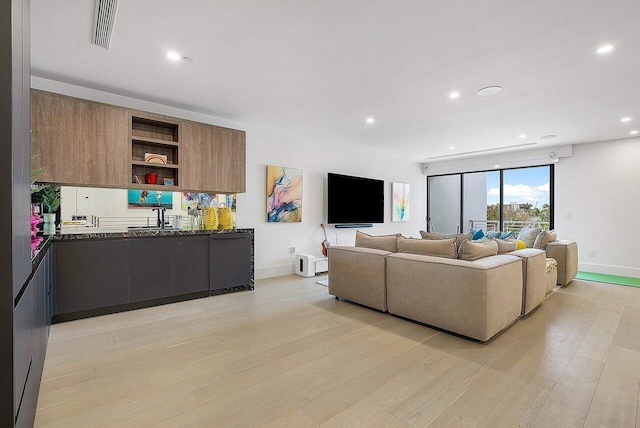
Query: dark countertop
(86, 233)
(78, 233)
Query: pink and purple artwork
(284, 194)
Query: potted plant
(50, 199)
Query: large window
(506, 199)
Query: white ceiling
(318, 69)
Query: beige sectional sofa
(475, 298)
(566, 255)
(472, 298)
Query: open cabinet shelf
(157, 137)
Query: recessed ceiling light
(430, 139)
(370, 120)
(173, 56)
(605, 49)
(454, 94)
(489, 90)
(625, 119)
(497, 165)
(548, 137)
(634, 132)
(451, 147)
(522, 136)
(187, 59)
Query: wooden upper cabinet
(212, 158)
(79, 142)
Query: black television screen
(355, 199)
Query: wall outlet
(292, 251)
(592, 253)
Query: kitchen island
(97, 271)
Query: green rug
(611, 279)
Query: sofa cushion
(544, 238)
(506, 245)
(460, 237)
(528, 235)
(470, 250)
(428, 247)
(381, 242)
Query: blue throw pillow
(493, 234)
(477, 235)
(507, 235)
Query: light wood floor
(290, 355)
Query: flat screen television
(355, 200)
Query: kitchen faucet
(160, 221)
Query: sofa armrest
(534, 284)
(476, 299)
(566, 254)
(359, 274)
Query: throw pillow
(507, 235)
(428, 247)
(543, 238)
(521, 245)
(477, 235)
(382, 242)
(493, 234)
(528, 236)
(506, 245)
(459, 236)
(471, 251)
(432, 235)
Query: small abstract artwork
(400, 204)
(149, 198)
(284, 194)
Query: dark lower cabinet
(189, 265)
(149, 268)
(231, 261)
(94, 277)
(32, 319)
(90, 275)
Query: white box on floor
(308, 265)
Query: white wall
(597, 205)
(315, 158)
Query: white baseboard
(610, 270)
(272, 271)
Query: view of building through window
(474, 199)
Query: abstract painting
(400, 205)
(284, 194)
(149, 198)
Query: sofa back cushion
(544, 238)
(382, 242)
(460, 237)
(506, 245)
(428, 247)
(471, 251)
(528, 236)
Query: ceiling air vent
(103, 23)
